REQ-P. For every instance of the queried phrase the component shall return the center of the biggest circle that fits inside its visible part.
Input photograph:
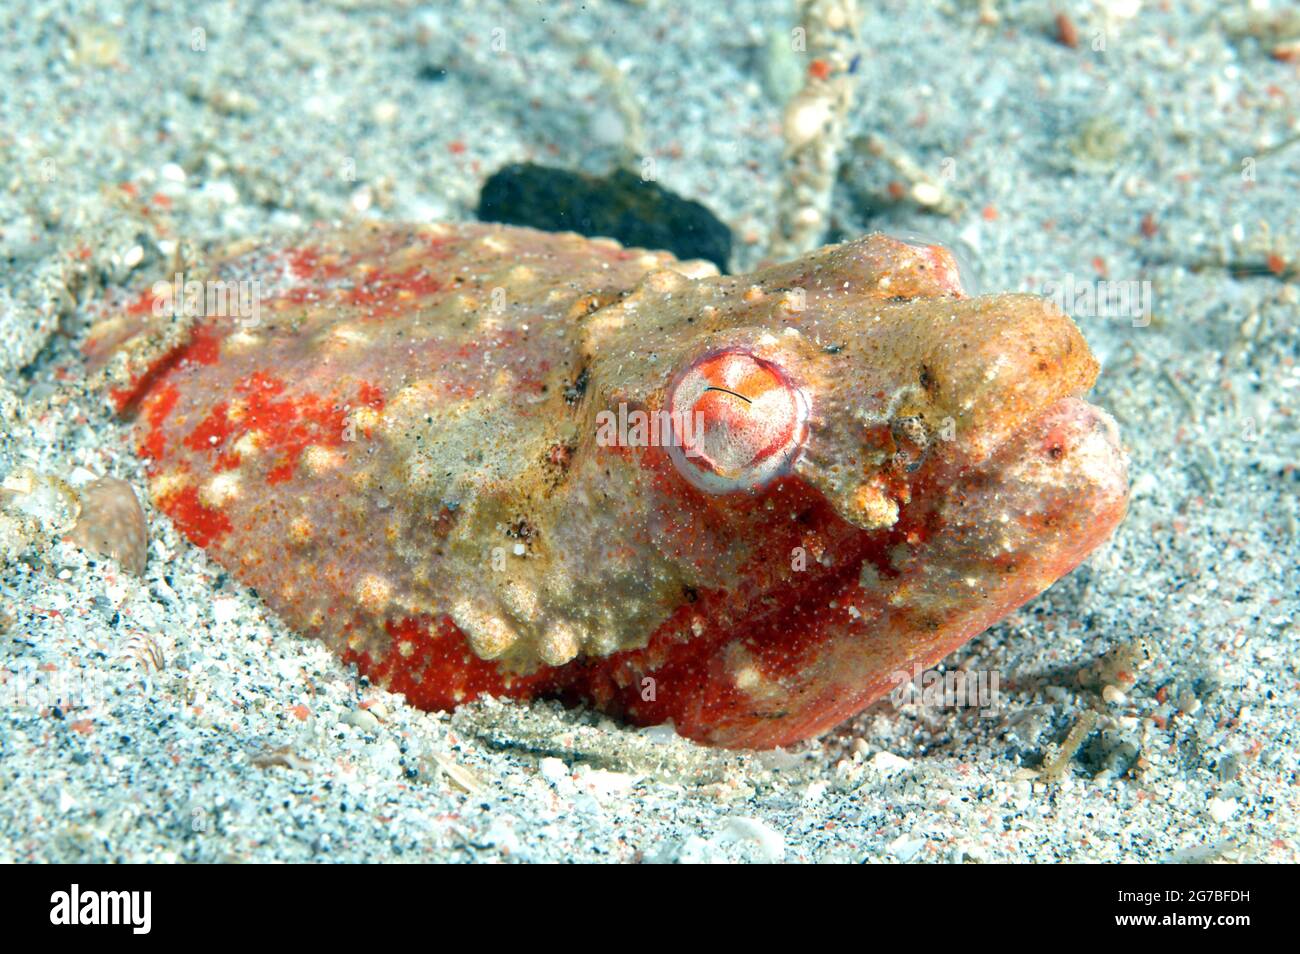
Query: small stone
(553, 769)
(905, 848)
(113, 524)
(769, 841)
(782, 68)
(621, 206)
(1221, 809)
(224, 610)
(361, 719)
(927, 194)
(888, 763)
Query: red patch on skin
(204, 347)
(143, 305)
(121, 398)
(1067, 34)
(160, 405)
(305, 263)
(211, 432)
(379, 290)
(371, 396)
(382, 290)
(200, 523)
(285, 426)
(693, 677)
(431, 663)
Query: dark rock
(619, 206)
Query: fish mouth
(1082, 441)
(1048, 495)
(1065, 462)
(1071, 450)
(929, 382)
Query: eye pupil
(738, 421)
(732, 393)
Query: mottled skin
(401, 457)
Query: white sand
(305, 111)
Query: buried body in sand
(409, 455)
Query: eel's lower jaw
(981, 540)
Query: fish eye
(737, 421)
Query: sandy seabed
(1169, 157)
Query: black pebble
(619, 206)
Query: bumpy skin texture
(404, 458)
